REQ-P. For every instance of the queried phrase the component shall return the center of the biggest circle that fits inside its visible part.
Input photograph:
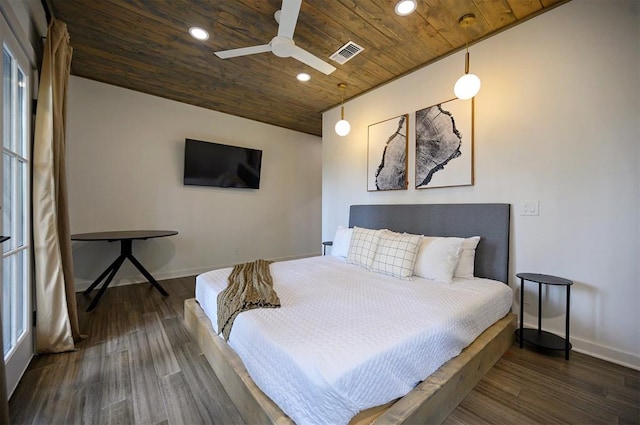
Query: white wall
(125, 153)
(28, 23)
(557, 120)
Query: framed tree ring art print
(444, 145)
(387, 154)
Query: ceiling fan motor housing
(281, 46)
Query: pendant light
(468, 85)
(342, 127)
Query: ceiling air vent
(346, 52)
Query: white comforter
(346, 339)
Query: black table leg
(521, 313)
(567, 346)
(539, 307)
(125, 253)
(147, 274)
(102, 276)
(114, 269)
(126, 249)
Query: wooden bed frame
(429, 402)
(436, 397)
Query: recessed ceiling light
(405, 7)
(303, 76)
(198, 33)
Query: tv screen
(214, 164)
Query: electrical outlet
(529, 207)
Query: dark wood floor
(139, 366)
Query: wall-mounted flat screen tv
(214, 164)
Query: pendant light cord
(466, 56)
(465, 21)
(342, 89)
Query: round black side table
(538, 337)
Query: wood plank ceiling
(144, 45)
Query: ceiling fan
(282, 45)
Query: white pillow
(396, 254)
(467, 258)
(438, 258)
(341, 242)
(363, 246)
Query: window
(15, 205)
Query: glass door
(15, 179)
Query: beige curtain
(57, 325)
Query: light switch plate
(529, 207)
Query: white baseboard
(622, 358)
(82, 284)
(598, 351)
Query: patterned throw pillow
(363, 246)
(396, 254)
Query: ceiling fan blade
(288, 17)
(243, 51)
(311, 60)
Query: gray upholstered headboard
(489, 221)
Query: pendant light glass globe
(343, 127)
(467, 86)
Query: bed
(368, 363)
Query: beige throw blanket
(250, 286)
